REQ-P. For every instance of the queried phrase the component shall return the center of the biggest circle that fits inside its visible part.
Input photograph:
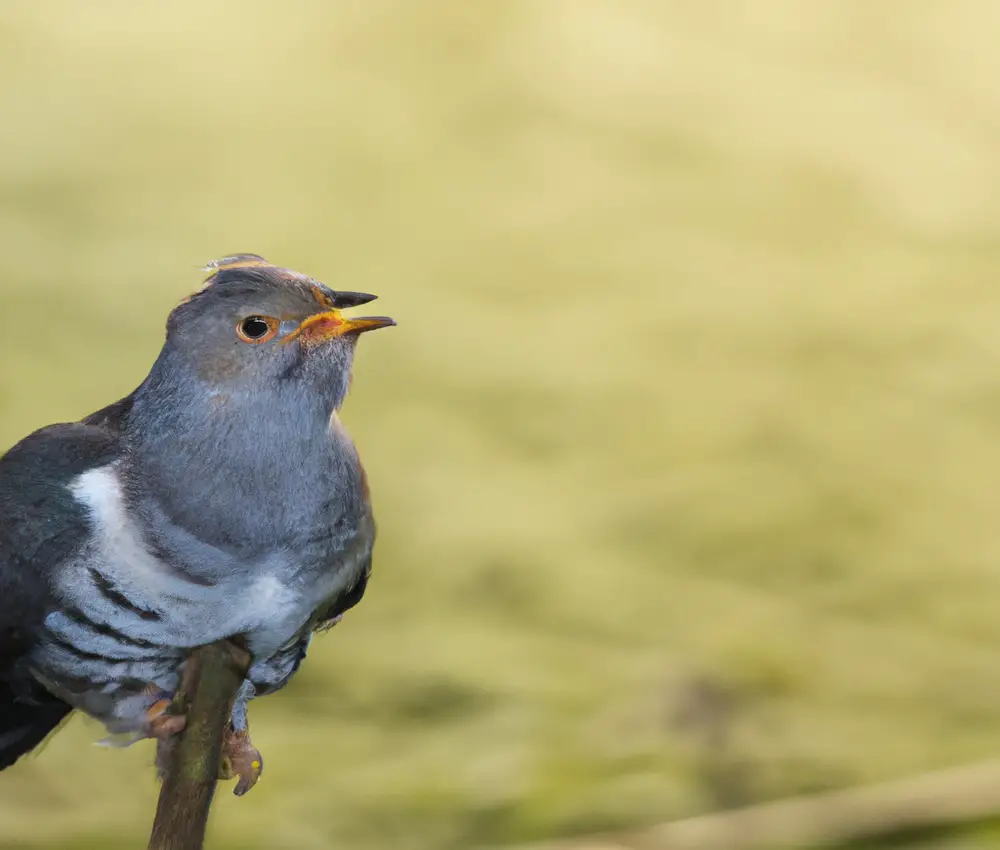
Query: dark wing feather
(329, 615)
(41, 526)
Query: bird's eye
(257, 329)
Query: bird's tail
(28, 712)
(26, 719)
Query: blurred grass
(685, 451)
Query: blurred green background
(685, 451)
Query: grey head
(254, 325)
(230, 434)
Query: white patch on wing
(100, 491)
(188, 614)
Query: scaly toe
(161, 723)
(240, 759)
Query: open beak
(364, 323)
(333, 323)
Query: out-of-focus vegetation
(686, 449)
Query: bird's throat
(242, 470)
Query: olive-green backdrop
(686, 450)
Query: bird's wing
(112, 418)
(41, 526)
(41, 522)
(333, 612)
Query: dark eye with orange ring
(257, 329)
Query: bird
(222, 499)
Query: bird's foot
(242, 759)
(161, 722)
(164, 721)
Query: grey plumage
(221, 499)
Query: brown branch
(212, 676)
(934, 800)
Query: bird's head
(255, 326)
(232, 435)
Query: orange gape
(326, 326)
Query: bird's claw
(240, 759)
(161, 722)
(164, 723)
